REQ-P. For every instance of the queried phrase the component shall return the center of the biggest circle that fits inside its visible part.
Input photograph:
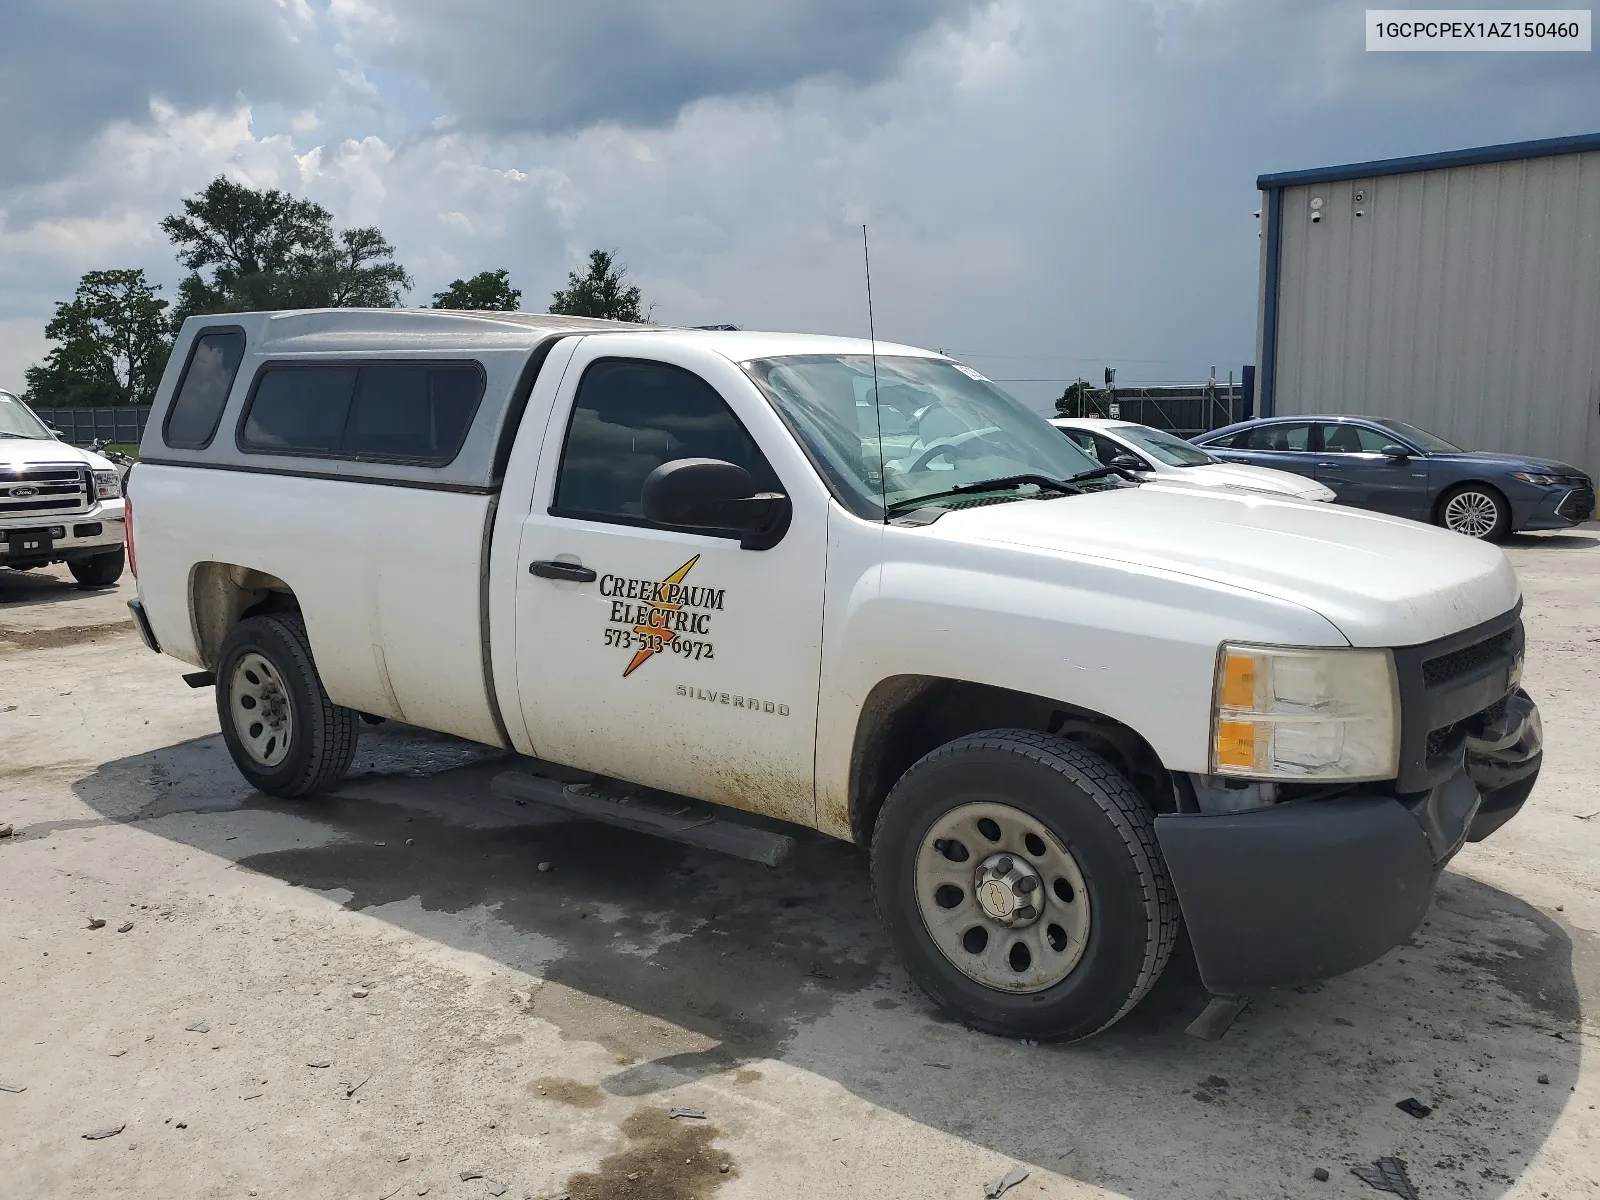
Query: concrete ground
(379, 994)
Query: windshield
(1168, 447)
(17, 419)
(943, 425)
(1427, 442)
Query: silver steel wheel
(1472, 513)
(1002, 898)
(259, 701)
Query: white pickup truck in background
(1073, 716)
(58, 504)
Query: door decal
(648, 616)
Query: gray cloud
(559, 67)
(68, 67)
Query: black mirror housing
(1395, 450)
(1128, 462)
(709, 495)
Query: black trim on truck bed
(427, 485)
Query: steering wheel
(946, 444)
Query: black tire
(102, 570)
(322, 738)
(1094, 812)
(1477, 499)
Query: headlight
(1305, 714)
(107, 485)
(1540, 480)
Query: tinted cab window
(628, 418)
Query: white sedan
(1161, 457)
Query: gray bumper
(1312, 888)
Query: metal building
(1458, 291)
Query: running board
(677, 818)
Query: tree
(600, 293)
(111, 344)
(1082, 399)
(270, 250)
(489, 291)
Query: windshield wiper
(1100, 473)
(1063, 487)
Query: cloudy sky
(1051, 185)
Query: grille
(982, 501)
(44, 491)
(1578, 505)
(1465, 660)
(1439, 740)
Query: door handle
(1330, 466)
(571, 572)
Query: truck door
(668, 658)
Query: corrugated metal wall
(1465, 300)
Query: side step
(677, 818)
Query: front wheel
(1476, 511)
(1019, 881)
(284, 733)
(100, 570)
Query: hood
(1515, 462)
(1382, 581)
(27, 452)
(1254, 479)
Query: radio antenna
(872, 335)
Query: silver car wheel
(1472, 513)
(1002, 898)
(263, 715)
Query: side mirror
(1395, 451)
(712, 496)
(55, 433)
(1128, 462)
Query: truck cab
(58, 504)
(1072, 716)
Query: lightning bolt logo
(666, 635)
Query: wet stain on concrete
(716, 973)
(664, 1160)
(65, 635)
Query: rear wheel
(1019, 881)
(1475, 510)
(284, 733)
(102, 570)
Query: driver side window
(628, 418)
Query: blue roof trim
(1509, 152)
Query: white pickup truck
(57, 503)
(1073, 716)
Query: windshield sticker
(968, 371)
(649, 616)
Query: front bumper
(1312, 888)
(73, 536)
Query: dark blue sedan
(1392, 467)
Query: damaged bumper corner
(1312, 888)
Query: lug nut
(1003, 866)
(1026, 884)
(1026, 914)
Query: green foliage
(488, 291)
(600, 293)
(269, 250)
(1082, 399)
(111, 344)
